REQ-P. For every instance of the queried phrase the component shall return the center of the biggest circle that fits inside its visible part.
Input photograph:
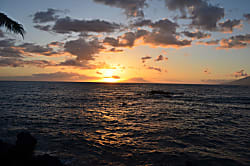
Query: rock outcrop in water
(22, 153)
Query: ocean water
(126, 124)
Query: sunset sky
(160, 41)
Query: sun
(109, 75)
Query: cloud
(207, 71)
(10, 52)
(46, 16)
(196, 35)
(67, 25)
(164, 34)
(229, 25)
(84, 64)
(111, 41)
(142, 22)
(145, 58)
(203, 15)
(154, 68)
(55, 44)
(247, 17)
(240, 73)
(235, 42)
(161, 58)
(57, 76)
(126, 40)
(8, 48)
(13, 62)
(116, 77)
(136, 80)
(115, 50)
(208, 43)
(82, 49)
(98, 73)
(7, 42)
(34, 48)
(133, 8)
(43, 27)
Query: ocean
(130, 124)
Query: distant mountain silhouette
(243, 81)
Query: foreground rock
(22, 153)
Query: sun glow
(109, 75)
(109, 80)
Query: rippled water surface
(126, 124)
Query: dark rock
(47, 160)
(25, 144)
(22, 154)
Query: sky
(144, 41)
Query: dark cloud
(43, 27)
(165, 40)
(229, 25)
(7, 43)
(57, 76)
(164, 34)
(206, 16)
(55, 44)
(165, 26)
(115, 50)
(111, 41)
(126, 40)
(67, 25)
(154, 68)
(82, 49)
(211, 42)
(236, 42)
(76, 63)
(247, 17)
(196, 35)
(13, 62)
(46, 16)
(240, 73)
(161, 58)
(207, 71)
(133, 8)
(142, 22)
(8, 49)
(203, 15)
(145, 58)
(34, 48)
(182, 5)
(10, 52)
